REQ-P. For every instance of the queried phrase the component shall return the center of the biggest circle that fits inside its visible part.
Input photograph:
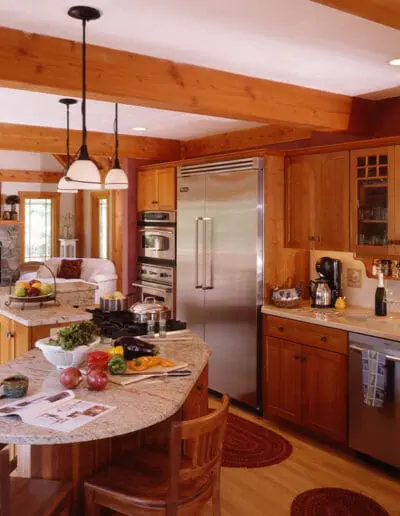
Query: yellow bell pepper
(117, 350)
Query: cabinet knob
(303, 359)
(280, 328)
(311, 238)
(10, 335)
(324, 339)
(297, 357)
(200, 387)
(317, 239)
(154, 202)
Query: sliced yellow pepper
(117, 350)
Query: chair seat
(143, 478)
(37, 497)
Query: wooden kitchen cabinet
(14, 339)
(303, 382)
(318, 202)
(284, 379)
(156, 190)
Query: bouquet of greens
(78, 334)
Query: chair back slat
(4, 480)
(196, 447)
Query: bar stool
(30, 496)
(178, 482)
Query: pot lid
(149, 305)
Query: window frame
(95, 198)
(55, 218)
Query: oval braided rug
(247, 445)
(335, 502)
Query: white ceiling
(293, 41)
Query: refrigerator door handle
(197, 283)
(208, 253)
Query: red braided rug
(335, 502)
(247, 445)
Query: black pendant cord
(84, 130)
(116, 159)
(68, 153)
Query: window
(40, 214)
(100, 202)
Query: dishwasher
(375, 431)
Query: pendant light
(83, 172)
(116, 178)
(65, 186)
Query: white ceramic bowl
(62, 359)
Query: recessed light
(395, 62)
(140, 129)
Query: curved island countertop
(138, 406)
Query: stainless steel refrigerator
(220, 268)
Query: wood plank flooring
(270, 491)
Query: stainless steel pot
(150, 309)
(113, 305)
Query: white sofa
(94, 270)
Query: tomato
(70, 378)
(97, 380)
(98, 359)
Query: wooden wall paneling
(332, 201)
(32, 61)
(52, 140)
(79, 224)
(385, 12)
(282, 267)
(118, 204)
(253, 138)
(30, 176)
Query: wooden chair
(179, 482)
(30, 496)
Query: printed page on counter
(60, 411)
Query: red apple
(33, 292)
(33, 281)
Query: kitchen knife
(178, 372)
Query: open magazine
(60, 411)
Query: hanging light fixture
(65, 186)
(83, 172)
(116, 178)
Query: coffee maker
(329, 271)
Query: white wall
(365, 295)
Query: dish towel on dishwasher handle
(373, 377)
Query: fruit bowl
(62, 359)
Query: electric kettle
(320, 292)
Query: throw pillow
(70, 269)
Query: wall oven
(156, 235)
(158, 282)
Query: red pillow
(70, 269)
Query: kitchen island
(142, 415)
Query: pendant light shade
(116, 178)
(65, 186)
(83, 173)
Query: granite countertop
(33, 315)
(354, 319)
(139, 405)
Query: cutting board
(123, 379)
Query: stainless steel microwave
(156, 242)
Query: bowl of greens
(71, 345)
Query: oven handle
(391, 358)
(197, 283)
(158, 288)
(156, 231)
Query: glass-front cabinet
(373, 207)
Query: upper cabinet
(156, 190)
(317, 207)
(375, 219)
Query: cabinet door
(20, 338)
(324, 393)
(332, 201)
(373, 201)
(147, 190)
(298, 183)
(166, 189)
(6, 344)
(283, 375)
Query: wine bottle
(380, 297)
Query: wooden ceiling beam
(385, 12)
(47, 64)
(254, 138)
(29, 176)
(52, 140)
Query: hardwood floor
(270, 491)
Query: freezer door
(233, 281)
(190, 253)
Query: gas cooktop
(119, 324)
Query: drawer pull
(324, 339)
(199, 387)
(280, 328)
(297, 357)
(303, 359)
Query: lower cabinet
(306, 385)
(14, 339)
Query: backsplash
(358, 289)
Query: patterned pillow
(70, 269)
